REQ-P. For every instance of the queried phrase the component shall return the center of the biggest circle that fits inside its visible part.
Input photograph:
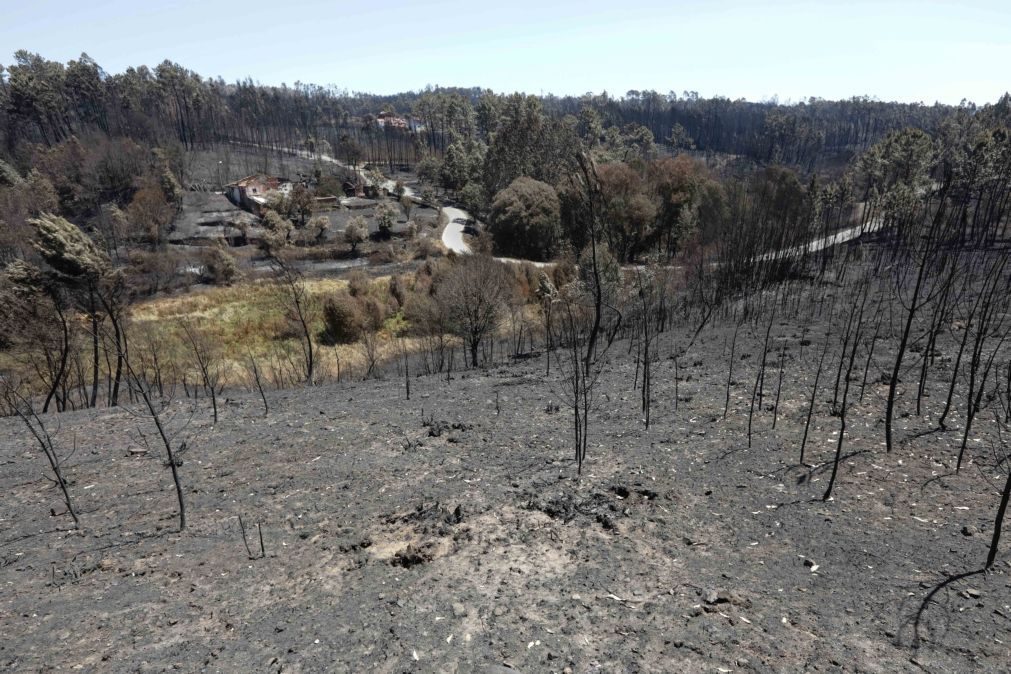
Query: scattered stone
(605, 521)
(732, 597)
(459, 610)
(974, 594)
(969, 530)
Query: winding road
(452, 233)
(457, 218)
(813, 246)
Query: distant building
(252, 192)
(395, 121)
(392, 120)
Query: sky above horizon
(890, 50)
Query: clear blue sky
(907, 51)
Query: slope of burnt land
(449, 532)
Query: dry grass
(248, 319)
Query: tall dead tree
(584, 308)
(857, 332)
(991, 323)
(814, 395)
(923, 259)
(1005, 494)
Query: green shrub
(342, 320)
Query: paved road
(452, 234)
(824, 242)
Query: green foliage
(386, 215)
(278, 232)
(528, 143)
(9, 176)
(591, 127)
(318, 226)
(342, 320)
(428, 195)
(525, 220)
(429, 170)
(329, 186)
(40, 195)
(375, 178)
(406, 205)
(463, 163)
(220, 266)
(356, 232)
(474, 198)
(629, 210)
(68, 250)
(903, 159)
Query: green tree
(429, 170)
(318, 226)
(277, 234)
(406, 205)
(356, 232)
(386, 215)
(474, 198)
(300, 204)
(526, 220)
(629, 212)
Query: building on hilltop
(392, 120)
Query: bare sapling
(870, 352)
(22, 406)
(585, 306)
(245, 541)
(779, 385)
(407, 367)
(154, 410)
(301, 309)
(814, 395)
(208, 362)
(646, 288)
(254, 369)
(765, 354)
(730, 370)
